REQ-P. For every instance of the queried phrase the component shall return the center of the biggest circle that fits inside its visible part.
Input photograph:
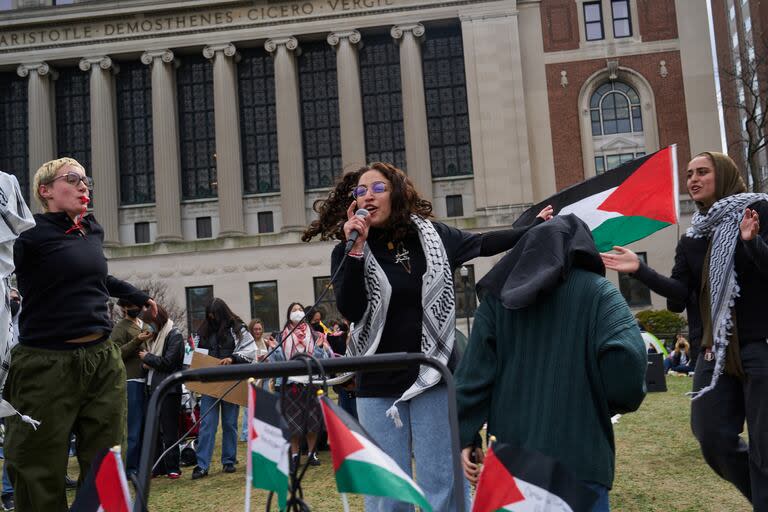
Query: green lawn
(658, 468)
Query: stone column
(414, 107)
(289, 144)
(165, 145)
(42, 124)
(229, 169)
(350, 97)
(104, 162)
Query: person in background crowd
(299, 400)
(721, 277)
(554, 353)
(256, 328)
(224, 335)
(127, 335)
(412, 259)
(64, 374)
(165, 356)
(680, 359)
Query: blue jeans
(244, 429)
(425, 435)
(602, 504)
(7, 487)
(137, 406)
(208, 428)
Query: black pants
(170, 411)
(717, 420)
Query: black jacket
(683, 287)
(171, 361)
(223, 347)
(64, 281)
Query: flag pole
(345, 501)
(248, 457)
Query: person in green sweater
(128, 335)
(554, 353)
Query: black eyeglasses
(377, 187)
(73, 179)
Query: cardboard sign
(238, 396)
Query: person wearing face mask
(127, 335)
(164, 356)
(303, 415)
(64, 373)
(224, 335)
(412, 259)
(720, 276)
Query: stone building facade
(211, 127)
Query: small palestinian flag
(267, 443)
(520, 480)
(106, 488)
(624, 204)
(361, 467)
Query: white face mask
(296, 316)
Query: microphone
(362, 213)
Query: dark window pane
(464, 292)
(198, 298)
(382, 100)
(454, 206)
(599, 165)
(197, 131)
(446, 99)
(634, 291)
(266, 222)
(141, 232)
(264, 304)
(319, 114)
(134, 127)
(328, 304)
(258, 122)
(14, 140)
(73, 116)
(204, 229)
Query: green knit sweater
(550, 376)
(124, 335)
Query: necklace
(402, 256)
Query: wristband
(357, 255)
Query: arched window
(615, 108)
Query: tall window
(73, 116)
(622, 23)
(258, 122)
(134, 128)
(197, 128)
(593, 21)
(319, 114)
(634, 291)
(264, 304)
(617, 125)
(198, 298)
(13, 129)
(382, 101)
(445, 89)
(328, 305)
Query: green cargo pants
(80, 391)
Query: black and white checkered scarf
(438, 303)
(721, 224)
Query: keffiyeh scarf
(721, 223)
(438, 303)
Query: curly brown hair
(332, 212)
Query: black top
(224, 348)
(403, 325)
(63, 279)
(682, 289)
(171, 360)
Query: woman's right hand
(621, 260)
(355, 223)
(271, 342)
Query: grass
(658, 468)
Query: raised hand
(546, 213)
(750, 225)
(621, 260)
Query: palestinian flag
(361, 467)
(624, 204)
(267, 443)
(520, 480)
(106, 488)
